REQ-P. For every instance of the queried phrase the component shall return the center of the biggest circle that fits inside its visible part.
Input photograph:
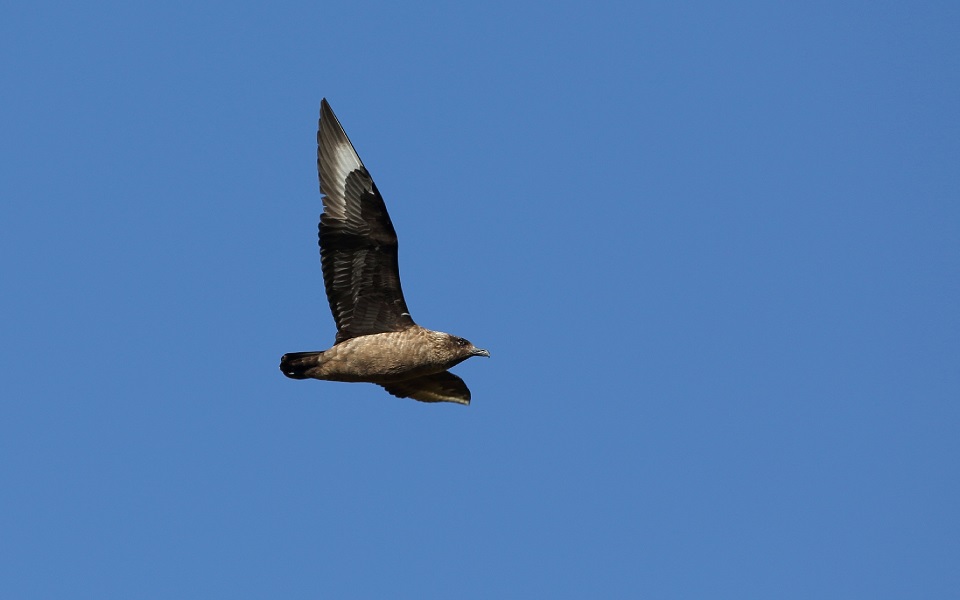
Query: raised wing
(358, 245)
(439, 387)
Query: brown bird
(377, 341)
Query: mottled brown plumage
(377, 340)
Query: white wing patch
(342, 163)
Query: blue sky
(712, 248)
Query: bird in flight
(377, 340)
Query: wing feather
(358, 245)
(439, 387)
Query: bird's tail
(296, 364)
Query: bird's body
(381, 357)
(377, 341)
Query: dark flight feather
(358, 245)
(439, 387)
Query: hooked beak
(480, 352)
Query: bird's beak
(479, 352)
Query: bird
(377, 341)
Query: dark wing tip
(330, 133)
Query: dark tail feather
(296, 364)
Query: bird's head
(462, 349)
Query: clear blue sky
(713, 250)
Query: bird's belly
(378, 358)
